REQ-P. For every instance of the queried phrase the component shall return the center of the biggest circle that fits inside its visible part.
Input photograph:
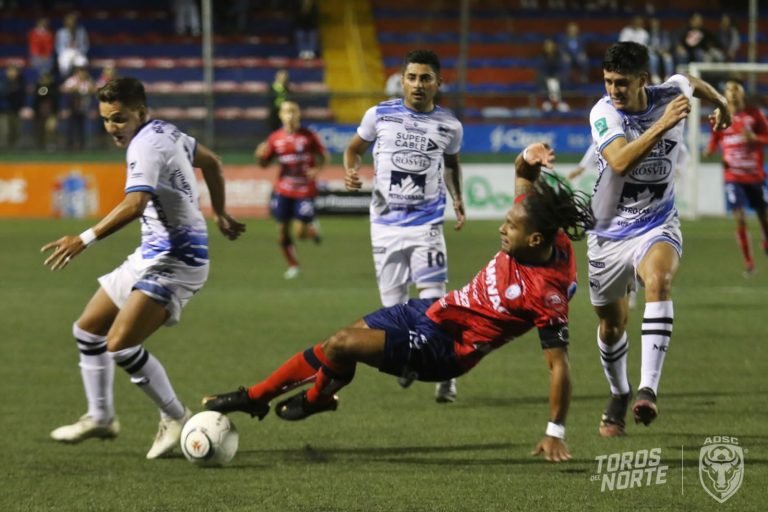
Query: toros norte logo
(721, 466)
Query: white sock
(98, 372)
(657, 331)
(147, 373)
(614, 360)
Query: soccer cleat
(445, 392)
(612, 422)
(644, 408)
(236, 401)
(749, 271)
(292, 273)
(86, 428)
(298, 407)
(407, 379)
(168, 435)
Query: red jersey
(742, 160)
(40, 42)
(507, 299)
(295, 153)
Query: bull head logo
(721, 470)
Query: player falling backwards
(743, 145)
(527, 284)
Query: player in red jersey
(743, 145)
(527, 284)
(301, 155)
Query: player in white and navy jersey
(527, 284)
(154, 283)
(639, 133)
(416, 147)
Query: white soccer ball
(209, 439)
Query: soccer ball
(209, 439)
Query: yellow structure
(353, 68)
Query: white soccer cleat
(292, 273)
(86, 428)
(445, 392)
(168, 435)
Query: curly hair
(552, 205)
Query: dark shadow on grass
(518, 454)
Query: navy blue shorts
(414, 345)
(284, 208)
(740, 195)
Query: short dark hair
(427, 57)
(627, 58)
(127, 90)
(552, 204)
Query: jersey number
(435, 258)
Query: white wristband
(525, 155)
(88, 237)
(555, 430)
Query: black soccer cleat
(644, 408)
(612, 422)
(297, 407)
(236, 401)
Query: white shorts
(613, 263)
(165, 279)
(408, 254)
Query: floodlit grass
(385, 449)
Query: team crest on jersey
(601, 125)
(513, 292)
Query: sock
(743, 238)
(298, 370)
(147, 373)
(614, 360)
(328, 382)
(289, 253)
(657, 331)
(98, 372)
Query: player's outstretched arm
(67, 247)
(353, 155)
(528, 165)
(210, 164)
(721, 116)
(453, 180)
(553, 446)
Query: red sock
(328, 382)
(743, 238)
(289, 253)
(298, 370)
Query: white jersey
(409, 188)
(160, 162)
(630, 205)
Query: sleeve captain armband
(88, 237)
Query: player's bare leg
(288, 249)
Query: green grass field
(385, 449)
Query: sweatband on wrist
(555, 430)
(88, 237)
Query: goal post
(690, 183)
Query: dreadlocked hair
(552, 205)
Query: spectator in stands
(40, 40)
(636, 33)
(13, 96)
(697, 44)
(71, 43)
(278, 93)
(552, 68)
(79, 89)
(394, 85)
(187, 16)
(729, 38)
(306, 29)
(108, 72)
(660, 44)
(46, 107)
(574, 52)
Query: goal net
(701, 185)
